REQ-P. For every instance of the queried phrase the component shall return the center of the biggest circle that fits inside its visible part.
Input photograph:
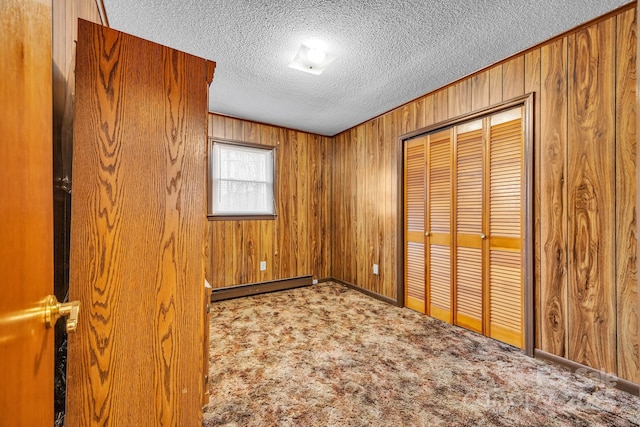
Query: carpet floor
(326, 355)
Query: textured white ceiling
(387, 52)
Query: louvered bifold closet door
(505, 317)
(468, 225)
(414, 206)
(438, 257)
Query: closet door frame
(527, 102)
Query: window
(241, 181)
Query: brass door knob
(482, 236)
(427, 234)
(54, 310)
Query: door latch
(53, 310)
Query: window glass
(242, 180)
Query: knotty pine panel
(544, 71)
(591, 196)
(295, 243)
(626, 226)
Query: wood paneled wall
(297, 242)
(584, 188)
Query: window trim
(211, 216)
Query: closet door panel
(414, 199)
(505, 319)
(439, 226)
(468, 220)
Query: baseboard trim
(619, 383)
(366, 292)
(230, 292)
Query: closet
(465, 216)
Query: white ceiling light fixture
(311, 60)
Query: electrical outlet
(375, 269)
(314, 282)
(263, 265)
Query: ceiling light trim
(311, 60)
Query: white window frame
(216, 211)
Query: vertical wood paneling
(626, 226)
(314, 219)
(495, 84)
(387, 254)
(544, 71)
(440, 105)
(362, 269)
(297, 242)
(513, 78)
(372, 170)
(553, 320)
(327, 236)
(390, 285)
(420, 113)
(532, 75)
(302, 178)
(429, 118)
(459, 98)
(383, 255)
(251, 133)
(480, 91)
(591, 203)
(268, 228)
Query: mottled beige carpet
(326, 355)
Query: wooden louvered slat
(506, 315)
(415, 185)
(505, 178)
(440, 184)
(415, 276)
(414, 196)
(469, 182)
(469, 288)
(505, 287)
(440, 282)
(439, 219)
(468, 220)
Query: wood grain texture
(591, 173)
(373, 181)
(513, 78)
(27, 348)
(626, 193)
(440, 105)
(362, 257)
(545, 71)
(480, 91)
(140, 282)
(297, 242)
(553, 320)
(532, 84)
(495, 84)
(459, 98)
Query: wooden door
(26, 203)
(438, 253)
(414, 205)
(504, 279)
(137, 232)
(469, 178)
